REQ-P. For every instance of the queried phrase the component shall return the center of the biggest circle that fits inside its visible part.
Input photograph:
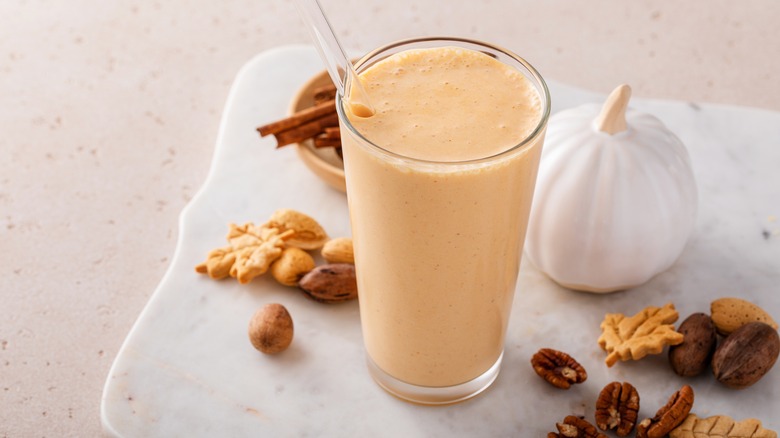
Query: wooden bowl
(324, 162)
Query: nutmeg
(271, 329)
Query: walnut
(558, 368)
(575, 427)
(668, 417)
(617, 408)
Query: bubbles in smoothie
(448, 104)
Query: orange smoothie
(439, 189)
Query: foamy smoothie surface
(447, 104)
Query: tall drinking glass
(438, 241)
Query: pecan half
(558, 368)
(575, 427)
(669, 416)
(617, 408)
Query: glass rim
(523, 144)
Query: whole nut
(694, 354)
(331, 283)
(558, 368)
(617, 408)
(271, 329)
(309, 234)
(668, 417)
(746, 355)
(291, 266)
(729, 314)
(338, 250)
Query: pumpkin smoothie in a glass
(439, 184)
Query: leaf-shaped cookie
(252, 261)
(720, 426)
(634, 337)
(218, 263)
(243, 236)
(252, 250)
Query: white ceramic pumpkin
(615, 198)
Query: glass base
(434, 395)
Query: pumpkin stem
(612, 118)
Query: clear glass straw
(336, 61)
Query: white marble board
(187, 368)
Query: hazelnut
(291, 266)
(694, 354)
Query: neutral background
(109, 113)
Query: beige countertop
(110, 112)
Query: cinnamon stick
(307, 130)
(322, 141)
(324, 93)
(333, 133)
(300, 118)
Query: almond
(339, 250)
(729, 314)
